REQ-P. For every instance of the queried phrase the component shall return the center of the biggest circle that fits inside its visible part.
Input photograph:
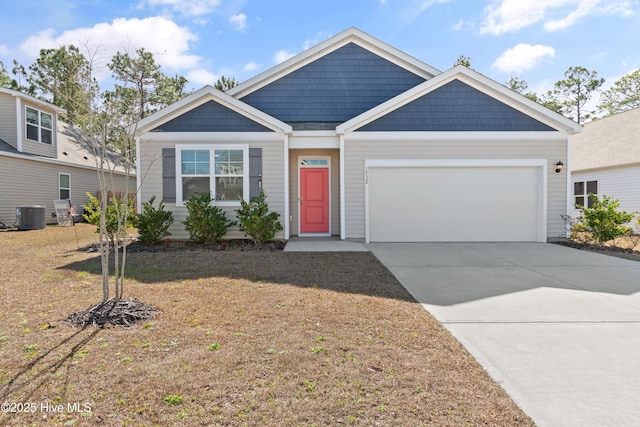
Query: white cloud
(282, 55)
(169, 44)
(201, 77)
(426, 4)
(458, 25)
(184, 7)
(522, 57)
(4, 50)
(503, 16)
(239, 21)
(251, 66)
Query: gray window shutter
(169, 175)
(255, 172)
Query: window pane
(64, 181)
(580, 201)
(32, 132)
(46, 120)
(229, 188)
(45, 136)
(32, 116)
(64, 194)
(590, 202)
(229, 162)
(578, 188)
(188, 156)
(592, 187)
(195, 162)
(194, 185)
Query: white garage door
(455, 204)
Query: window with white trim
(582, 190)
(64, 186)
(218, 169)
(39, 126)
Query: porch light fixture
(559, 167)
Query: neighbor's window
(64, 183)
(581, 191)
(218, 170)
(39, 126)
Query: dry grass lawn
(244, 338)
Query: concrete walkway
(558, 328)
(323, 244)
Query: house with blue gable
(356, 139)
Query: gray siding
(456, 106)
(150, 158)
(357, 151)
(36, 183)
(334, 186)
(8, 119)
(211, 117)
(34, 147)
(333, 88)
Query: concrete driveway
(558, 328)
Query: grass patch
(327, 339)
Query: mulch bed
(186, 245)
(116, 312)
(602, 249)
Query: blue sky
(535, 40)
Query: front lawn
(244, 338)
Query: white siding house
(606, 161)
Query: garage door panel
(453, 203)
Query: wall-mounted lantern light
(559, 167)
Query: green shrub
(604, 219)
(153, 223)
(116, 211)
(206, 223)
(256, 221)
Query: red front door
(314, 200)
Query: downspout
(18, 125)
(138, 178)
(342, 186)
(286, 187)
(569, 205)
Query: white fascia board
(43, 104)
(314, 139)
(475, 80)
(447, 163)
(457, 136)
(203, 95)
(605, 167)
(351, 35)
(212, 136)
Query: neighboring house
(355, 138)
(605, 161)
(43, 159)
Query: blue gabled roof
(459, 107)
(333, 88)
(211, 117)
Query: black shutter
(169, 175)
(255, 172)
